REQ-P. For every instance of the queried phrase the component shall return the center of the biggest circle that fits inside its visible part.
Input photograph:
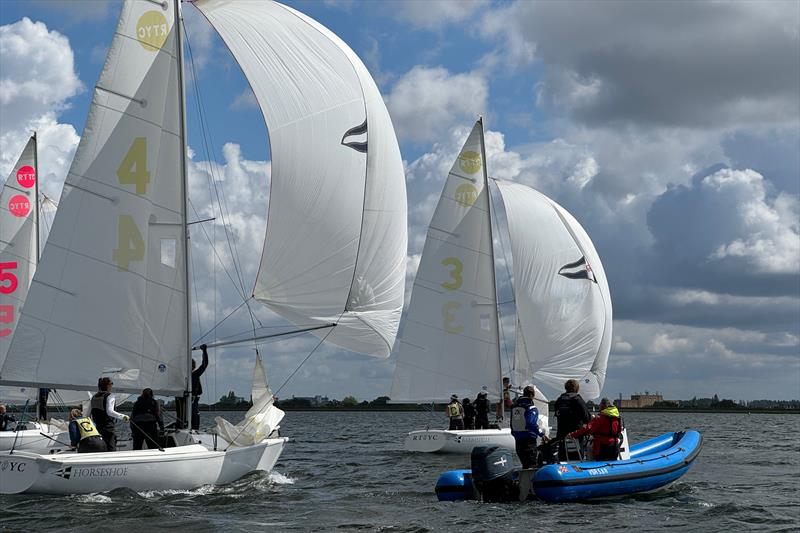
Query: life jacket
(524, 418)
(86, 427)
(98, 413)
(613, 416)
(454, 410)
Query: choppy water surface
(347, 471)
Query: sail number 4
(8, 284)
(132, 171)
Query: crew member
(606, 431)
(83, 434)
(526, 427)
(455, 412)
(469, 414)
(571, 414)
(5, 419)
(197, 390)
(42, 404)
(103, 406)
(482, 411)
(146, 420)
(507, 402)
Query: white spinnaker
(108, 297)
(449, 343)
(336, 232)
(17, 242)
(562, 298)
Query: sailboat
(21, 207)
(111, 294)
(450, 342)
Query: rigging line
(216, 253)
(274, 394)
(208, 141)
(196, 299)
(306, 359)
(207, 333)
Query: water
(347, 471)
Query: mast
(36, 194)
(184, 194)
(491, 246)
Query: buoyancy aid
(524, 419)
(98, 413)
(86, 427)
(454, 410)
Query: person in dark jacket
(146, 421)
(606, 431)
(197, 390)
(481, 411)
(469, 414)
(571, 414)
(103, 406)
(5, 419)
(527, 427)
(83, 434)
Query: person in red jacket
(606, 431)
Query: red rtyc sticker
(19, 205)
(26, 176)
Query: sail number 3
(456, 268)
(132, 171)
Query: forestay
(18, 225)
(336, 232)
(109, 295)
(449, 343)
(562, 298)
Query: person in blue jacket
(526, 427)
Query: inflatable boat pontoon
(652, 464)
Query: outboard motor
(493, 474)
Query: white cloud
(435, 15)
(426, 102)
(244, 101)
(771, 240)
(38, 79)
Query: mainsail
(18, 225)
(336, 231)
(450, 343)
(561, 292)
(109, 295)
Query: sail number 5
(8, 284)
(132, 171)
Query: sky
(670, 130)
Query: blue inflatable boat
(652, 464)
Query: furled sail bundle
(109, 296)
(260, 420)
(336, 231)
(450, 342)
(18, 226)
(562, 298)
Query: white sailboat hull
(32, 440)
(182, 467)
(456, 441)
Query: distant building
(314, 401)
(639, 401)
